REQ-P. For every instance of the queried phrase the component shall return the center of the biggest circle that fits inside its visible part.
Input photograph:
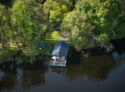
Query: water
(93, 74)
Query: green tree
(29, 25)
(93, 21)
(56, 9)
(4, 26)
(28, 21)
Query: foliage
(55, 35)
(95, 20)
(7, 54)
(4, 26)
(102, 38)
(52, 36)
(56, 9)
(29, 23)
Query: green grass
(52, 36)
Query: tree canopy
(4, 25)
(94, 22)
(27, 23)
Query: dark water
(93, 74)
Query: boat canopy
(60, 49)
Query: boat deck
(58, 63)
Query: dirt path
(64, 36)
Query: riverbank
(14, 57)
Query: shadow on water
(22, 79)
(74, 56)
(7, 81)
(96, 68)
(27, 76)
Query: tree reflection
(96, 68)
(22, 79)
(32, 78)
(8, 81)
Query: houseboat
(59, 55)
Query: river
(103, 73)
(99, 73)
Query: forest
(26, 24)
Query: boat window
(52, 59)
(58, 58)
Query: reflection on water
(95, 68)
(31, 78)
(8, 81)
(119, 56)
(22, 80)
(95, 73)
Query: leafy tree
(29, 25)
(4, 26)
(93, 20)
(56, 9)
(28, 21)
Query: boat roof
(60, 49)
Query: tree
(29, 25)
(93, 22)
(4, 26)
(56, 9)
(28, 20)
